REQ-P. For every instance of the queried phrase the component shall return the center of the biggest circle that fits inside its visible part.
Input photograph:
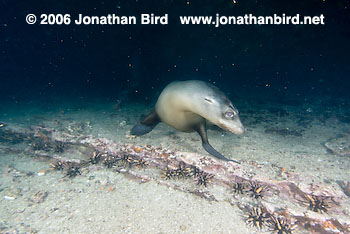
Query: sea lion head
(221, 112)
(230, 121)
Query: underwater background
(137, 61)
(71, 93)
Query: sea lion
(187, 106)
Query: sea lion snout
(226, 116)
(238, 127)
(239, 130)
(234, 126)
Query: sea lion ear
(208, 100)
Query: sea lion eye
(229, 115)
(208, 100)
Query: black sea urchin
(126, 160)
(279, 225)
(204, 178)
(58, 166)
(40, 144)
(109, 161)
(182, 170)
(95, 158)
(59, 146)
(257, 216)
(239, 188)
(73, 171)
(139, 163)
(256, 190)
(193, 171)
(168, 173)
(318, 203)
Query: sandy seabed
(279, 142)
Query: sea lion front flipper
(146, 125)
(202, 131)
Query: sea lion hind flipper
(202, 131)
(140, 129)
(146, 125)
